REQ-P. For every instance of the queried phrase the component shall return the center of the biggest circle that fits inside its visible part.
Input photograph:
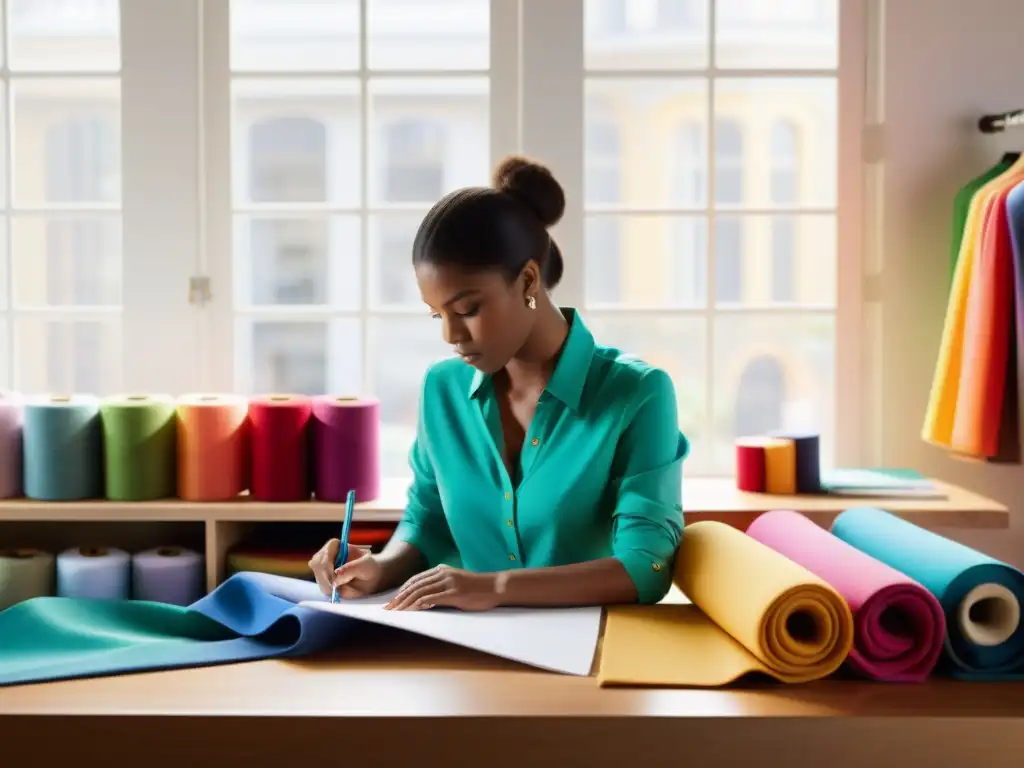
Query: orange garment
(943, 401)
(987, 336)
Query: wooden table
(407, 701)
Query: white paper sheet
(557, 639)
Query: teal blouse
(600, 471)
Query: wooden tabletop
(406, 698)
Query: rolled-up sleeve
(648, 516)
(423, 523)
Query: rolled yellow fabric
(751, 610)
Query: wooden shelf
(219, 526)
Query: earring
(531, 302)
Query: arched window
(760, 397)
(729, 160)
(785, 179)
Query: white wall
(947, 62)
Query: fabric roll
(24, 574)
(346, 440)
(899, 626)
(11, 419)
(980, 596)
(752, 610)
(63, 448)
(212, 446)
(94, 573)
(171, 575)
(279, 447)
(140, 447)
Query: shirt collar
(572, 368)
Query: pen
(346, 527)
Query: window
(62, 222)
(603, 157)
(700, 165)
(689, 247)
(785, 177)
(729, 167)
(701, 218)
(336, 156)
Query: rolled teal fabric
(981, 597)
(63, 444)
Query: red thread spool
(279, 447)
(750, 465)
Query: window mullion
(159, 112)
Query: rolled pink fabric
(11, 411)
(346, 448)
(899, 626)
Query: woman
(547, 468)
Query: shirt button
(656, 567)
(511, 557)
(509, 523)
(508, 496)
(535, 441)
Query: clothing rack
(1000, 122)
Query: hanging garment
(962, 202)
(987, 324)
(943, 400)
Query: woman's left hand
(444, 585)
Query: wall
(947, 62)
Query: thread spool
(212, 446)
(94, 573)
(279, 438)
(11, 427)
(346, 439)
(25, 573)
(989, 615)
(140, 447)
(63, 448)
(169, 574)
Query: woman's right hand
(360, 576)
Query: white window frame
(177, 192)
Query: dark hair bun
(534, 185)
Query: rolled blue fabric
(63, 445)
(981, 597)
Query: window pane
(296, 141)
(796, 34)
(636, 152)
(403, 349)
(64, 35)
(393, 279)
(646, 261)
(68, 356)
(297, 260)
(803, 163)
(786, 259)
(62, 261)
(309, 358)
(67, 141)
(427, 137)
(294, 35)
(645, 34)
(678, 346)
(4, 255)
(428, 34)
(773, 372)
